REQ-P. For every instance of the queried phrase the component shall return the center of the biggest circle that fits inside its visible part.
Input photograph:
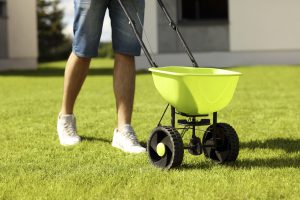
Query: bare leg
(75, 74)
(124, 87)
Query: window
(203, 10)
(2, 8)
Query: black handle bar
(172, 25)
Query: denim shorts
(88, 22)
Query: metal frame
(192, 125)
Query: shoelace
(70, 128)
(131, 135)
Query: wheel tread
(234, 141)
(177, 143)
(232, 138)
(178, 146)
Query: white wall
(150, 26)
(264, 25)
(22, 29)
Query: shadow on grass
(285, 161)
(247, 164)
(195, 166)
(94, 139)
(286, 144)
(282, 162)
(52, 72)
(143, 144)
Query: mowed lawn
(265, 112)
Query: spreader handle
(138, 36)
(175, 28)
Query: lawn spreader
(195, 94)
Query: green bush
(106, 50)
(53, 44)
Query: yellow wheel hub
(161, 149)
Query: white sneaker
(126, 140)
(66, 130)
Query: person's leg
(124, 86)
(126, 46)
(89, 15)
(75, 74)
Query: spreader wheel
(165, 147)
(227, 143)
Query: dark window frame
(212, 21)
(3, 13)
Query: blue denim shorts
(88, 22)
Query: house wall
(200, 37)
(22, 29)
(259, 32)
(253, 25)
(18, 37)
(205, 38)
(264, 25)
(150, 26)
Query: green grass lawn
(265, 111)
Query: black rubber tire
(229, 146)
(176, 147)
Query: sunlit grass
(264, 111)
